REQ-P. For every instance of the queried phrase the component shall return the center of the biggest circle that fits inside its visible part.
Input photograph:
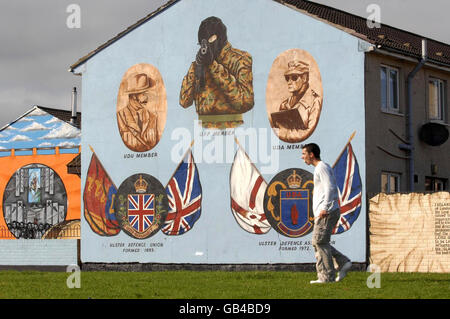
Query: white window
(389, 89)
(390, 182)
(436, 99)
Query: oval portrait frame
(277, 93)
(134, 81)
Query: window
(436, 102)
(435, 184)
(389, 89)
(390, 182)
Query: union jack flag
(141, 210)
(346, 171)
(184, 193)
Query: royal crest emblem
(288, 202)
(141, 206)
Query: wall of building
(164, 48)
(36, 252)
(379, 124)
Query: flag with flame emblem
(98, 199)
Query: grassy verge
(219, 285)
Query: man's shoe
(343, 272)
(318, 281)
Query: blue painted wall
(168, 41)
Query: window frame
(434, 181)
(441, 99)
(397, 183)
(389, 107)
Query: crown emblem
(140, 185)
(294, 180)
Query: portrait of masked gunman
(138, 125)
(220, 80)
(302, 100)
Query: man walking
(326, 214)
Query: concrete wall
(36, 252)
(378, 124)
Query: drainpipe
(409, 147)
(74, 106)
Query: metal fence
(16, 230)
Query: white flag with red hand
(247, 188)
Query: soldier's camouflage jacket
(228, 90)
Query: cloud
(53, 120)
(63, 131)
(37, 112)
(66, 144)
(45, 144)
(9, 128)
(26, 119)
(34, 127)
(20, 138)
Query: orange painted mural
(37, 194)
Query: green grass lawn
(219, 285)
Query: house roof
(63, 115)
(387, 37)
(384, 37)
(74, 166)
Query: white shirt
(326, 194)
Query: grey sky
(37, 47)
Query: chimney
(424, 49)
(74, 106)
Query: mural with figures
(37, 193)
(221, 179)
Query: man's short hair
(312, 148)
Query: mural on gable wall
(220, 80)
(294, 95)
(285, 203)
(34, 195)
(39, 129)
(141, 206)
(141, 107)
(240, 212)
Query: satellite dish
(433, 134)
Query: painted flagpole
(343, 150)
(182, 158)
(101, 164)
(248, 157)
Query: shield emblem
(288, 202)
(141, 206)
(294, 206)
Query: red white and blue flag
(346, 171)
(141, 211)
(184, 193)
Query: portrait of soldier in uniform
(220, 80)
(138, 120)
(296, 116)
